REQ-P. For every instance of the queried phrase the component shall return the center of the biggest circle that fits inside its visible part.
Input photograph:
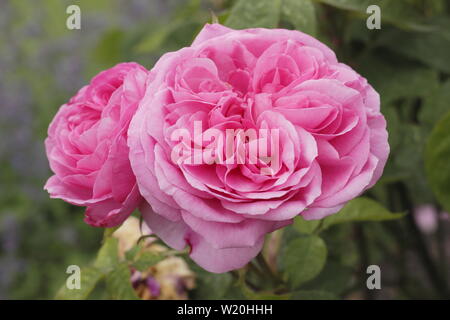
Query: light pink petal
(210, 31)
(178, 235)
(221, 260)
(316, 213)
(110, 213)
(226, 235)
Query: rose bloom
(332, 140)
(87, 146)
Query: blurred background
(43, 64)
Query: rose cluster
(112, 146)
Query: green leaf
(265, 295)
(399, 13)
(118, 283)
(431, 48)
(254, 14)
(303, 259)
(361, 209)
(436, 106)
(334, 278)
(313, 295)
(305, 226)
(146, 259)
(393, 125)
(188, 9)
(437, 161)
(301, 14)
(212, 286)
(131, 254)
(142, 259)
(110, 49)
(181, 24)
(257, 295)
(155, 39)
(407, 82)
(406, 162)
(89, 277)
(107, 257)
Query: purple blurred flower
(426, 218)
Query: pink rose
(330, 143)
(87, 146)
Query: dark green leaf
(313, 295)
(301, 14)
(334, 278)
(399, 13)
(265, 295)
(257, 295)
(436, 106)
(431, 48)
(212, 286)
(408, 82)
(406, 158)
(437, 161)
(254, 14)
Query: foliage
(113, 271)
(437, 161)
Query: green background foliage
(43, 64)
